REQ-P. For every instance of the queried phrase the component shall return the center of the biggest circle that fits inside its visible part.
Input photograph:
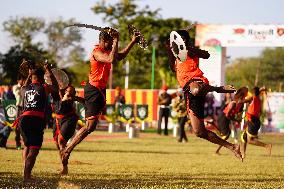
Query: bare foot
(64, 170)
(269, 148)
(237, 152)
(65, 156)
(226, 89)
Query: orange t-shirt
(254, 108)
(188, 70)
(100, 71)
(237, 109)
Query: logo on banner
(11, 111)
(280, 31)
(110, 109)
(260, 34)
(142, 111)
(127, 111)
(239, 31)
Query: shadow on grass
(124, 151)
(141, 180)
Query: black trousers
(163, 112)
(17, 129)
(181, 122)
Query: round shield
(61, 77)
(178, 46)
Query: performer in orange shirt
(230, 113)
(103, 56)
(195, 87)
(253, 124)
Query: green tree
(23, 30)
(64, 48)
(11, 61)
(64, 42)
(265, 70)
(156, 31)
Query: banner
(110, 109)
(10, 110)
(80, 110)
(264, 35)
(142, 111)
(127, 111)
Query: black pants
(164, 112)
(17, 129)
(181, 122)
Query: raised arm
(29, 78)
(54, 87)
(123, 53)
(198, 52)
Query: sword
(87, 26)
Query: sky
(201, 11)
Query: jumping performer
(232, 109)
(195, 87)
(66, 120)
(250, 135)
(103, 56)
(32, 120)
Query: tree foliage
(62, 47)
(156, 31)
(265, 70)
(64, 42)
(24, 29)
(11, 61)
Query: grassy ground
(114, 161)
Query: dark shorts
(223, 125)
(66, 127)
(94, 100)
(31, 128)
(195, 104)
(253, 126)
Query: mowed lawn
(150, 161)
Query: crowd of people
(32, 95)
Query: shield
(61, 77)
(178, 46)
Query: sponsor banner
(240, 35)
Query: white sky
(202, 11)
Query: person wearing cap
(103, 56)
(164, 101)
(195, 86)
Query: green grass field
(150, 161)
